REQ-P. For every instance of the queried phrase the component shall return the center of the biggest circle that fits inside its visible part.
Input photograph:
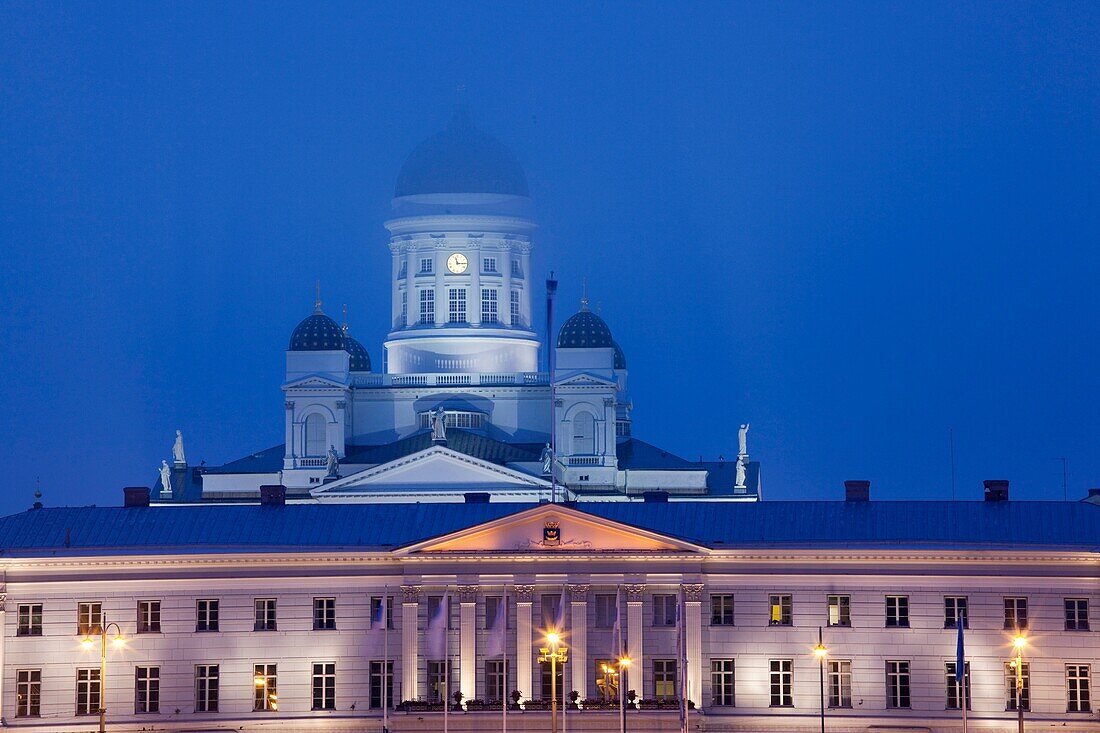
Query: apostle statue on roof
(743, 440)
(333, 462)
(177, 450)
(439, 425)
(165, 478)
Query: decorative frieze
(524, 593)
(693, 592)
(634, 592)
(411, 593)
(467, 593)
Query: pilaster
(634, 606)
(578, 639)
(524, 659)
(693, 634)
(467, 641)
(410, 637)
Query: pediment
(553, 528)
(584, 379)
(314, 381)
(437, 468)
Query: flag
(960, 654)
(617, 630)
(437, 629)
(379, 617)
(494, 647)
(559, 622)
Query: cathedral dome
(318, 332)
(585, 330)
(461, 159)
(620, 357)
(360, 359)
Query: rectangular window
(324, 685)
(375, 602)
(265, 615)
(425, 266)
(403, 269)
(206, 688)
(324, 614)
(427, 306)
(516, 272)
(721, 682)
(89, 618)
(545, 680)
(1077, 614)
(404, 307)
(146, 690)
(1017, 688)
(897, 611)
(88, 691)
(780, 610)
(955, 611)
(1016, 613)
(206, 614)
(489, 264)
(721, 609)
(28, 693)
(376, 685)
(897, 684)
(840, 611)
(433, 606)
(550, 611)
(494, 680)
(492, 605)
(840, 683)
(148, 617)
(781, 681)
(514, 312)
(1077, 688)
(265, 683)
(456, 299)
(954, 687)
(436, 680)
(664, 679)
(489, 305)
(29, 620)
(664, 609)
(606, 610)
(606, 679)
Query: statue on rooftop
(740, 483)
(333, 463)
(165, 478)
(177, 450)
(547, 460)
(743, 440)
(439, 425)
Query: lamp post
(555, 653)
(821, 652)
(624, 663)
(1017, 663)
(88, 642)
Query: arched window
(584, 433)
(316, 443)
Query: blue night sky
(856, 226)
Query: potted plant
(457, 696)
(516, 697)
(632, 698)
(573, 697)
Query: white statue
(740, 473)
(165, 478)
(333, 463)
(177, 450)
(439, 425)
(743, 440)
(547, 460)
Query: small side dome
(620, 357)
(360, 359)
(318, 332)
(584, 330)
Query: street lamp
(624, 663)
(1017, 663)
(556, 653)
(88, 642)
(821, 652)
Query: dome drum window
(466, 419)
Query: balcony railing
(495, 379)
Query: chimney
(996, 490)
(135, 496)
(655, 497)
(272, 495)
(476, 497)
(857, 491)
(1093, 497)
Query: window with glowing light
(780, 610)
(840, 611)
(89, 618)
(28, 693)
(265, 683)
(1011, 701)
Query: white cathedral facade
(443, 519)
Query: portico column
(693, 634)
(467, 641)
(578, 639)
(410, 636)
(524, 594)
(637, 671)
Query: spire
(317, 299)
(37, 493)
(344, 326)
(584, 293)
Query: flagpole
(504, 682)
(619, 661)
(680, 663)
(385, 659)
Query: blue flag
(960, 653)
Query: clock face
(457, 263)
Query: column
(291, 441)
(578, 639)
(467, 641)
(636, 673)
(693, 634)
(524, 594)
(410, 636)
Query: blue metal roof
(777, 524)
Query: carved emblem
(551, 534)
